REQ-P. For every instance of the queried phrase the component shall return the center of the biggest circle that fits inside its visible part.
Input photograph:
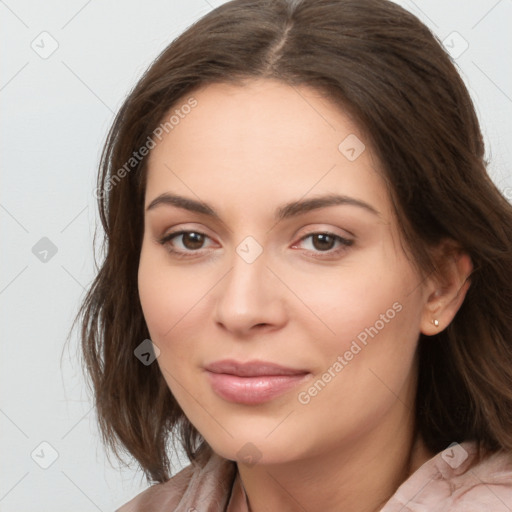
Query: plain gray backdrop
(66, 68)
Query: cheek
(359, 324)
(368, 362)
(166, 294)
(367, 315)
(342, 303)
(175, 303)
(169, 302)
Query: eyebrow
(286, 211)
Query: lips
(254, 382)
(251, 368)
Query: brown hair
(382, 64)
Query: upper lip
(251, 368)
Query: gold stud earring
(436, 322)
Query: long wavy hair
(382, 65)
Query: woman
(307, 278)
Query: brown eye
(184, 242)
(323, 241)
(324, 244)
(192, 240)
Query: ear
(446, 290)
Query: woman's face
(292, 256)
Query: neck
(359, 476)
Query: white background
(55, 115)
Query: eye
(182, 242)
(326, 243)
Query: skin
(246, 151)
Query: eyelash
(345, 244)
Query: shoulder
(484, 486)
(461, 478)
(193, 487)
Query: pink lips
(252, 383)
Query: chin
(251, 450)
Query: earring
(436, 322)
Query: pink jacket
(452, 481)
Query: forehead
(266, 140)
(260, 114)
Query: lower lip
(252, 390)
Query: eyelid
(319, 227)
(345, 244)
(348, 241)
(167, 237)
(186, 227)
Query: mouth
(254, 382)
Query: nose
(250, 299)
